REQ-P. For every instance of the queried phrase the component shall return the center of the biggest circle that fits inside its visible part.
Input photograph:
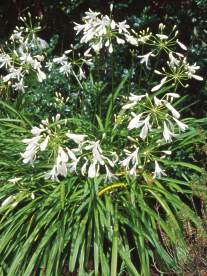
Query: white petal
(44, 144)
(174, 112)
(157, 87)
(181, 125)
(181, 45)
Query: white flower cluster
(70, 66)
(133, 163)
(39, 141)
(85, 158)
(178, 71)
(20, 61)
(158, 113)
(87, 155)
(150, 116)
(100, 31)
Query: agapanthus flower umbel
(68, 65)
(72, 152)
(158, 172)
(161, 41)
(39, 142)
(177, 71)
(143, 156)
(131, 162)
(25, 58)
(85, 159)
(101, 31)
(149, 113)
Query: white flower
(41, 75)
(73, 165)
(135, 122)
(60, 166)
(168, 152)
(123, 27)
(71, 154)
(172, 96)
(129, 105)
(191, 70)
(62, 156)
(109, 175)
(37, 131)
(32, 147)
(132, 40)
(157, 87)
(66, 68)
(120, 40)
(93, 170)
(158, 172)
(44, 144)
(174, 112)
(5, 60)
(7, 201)
(134, 100)
(145, 58)
(97, 160)
(167, 133)
(19, 86)
(42, 44)
(162, 36)
(196, 77)
(84, 167)
(110, 49)
(15, 180)
(131, 157)
(181, 45)
(145, 128)
(173, 61)
(157, 101)
(60, 60)
(53, 175)
(181, 125)
(14, 74)
(77, 138)
(81, 74)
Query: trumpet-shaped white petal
(181, 125)
(44, 144)
(15, 180)
(7, 201)
(77, 138)
(182, 46)
(162, 36)
(93, 170)
(167, 134)
(158, 172)
(62, 156)
(37, 131)
(132, 157)
(145, 58)
(145, 128)
(174, 112)
(157, 87)
(135, 122)
(157, 101)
